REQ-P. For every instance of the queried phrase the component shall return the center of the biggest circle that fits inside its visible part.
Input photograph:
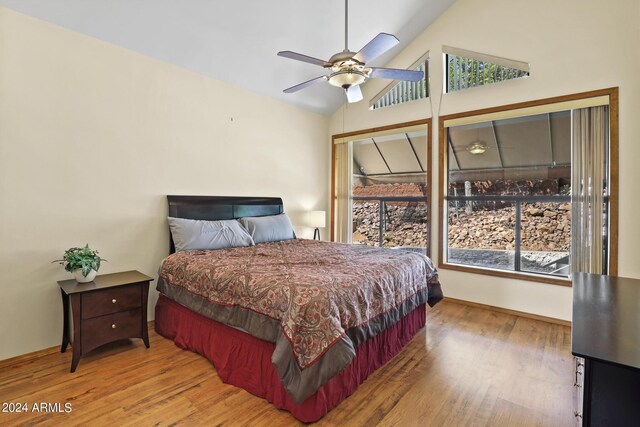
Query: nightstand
(111, 308)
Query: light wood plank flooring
(469, 366)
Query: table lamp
(317, 219)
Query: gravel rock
(545, 226)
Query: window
(465, 69)
(512, 195)
(388, 191)
(404, 91)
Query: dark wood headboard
(213, 208)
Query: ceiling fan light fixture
(477, 148)
(346, 79)
(348, 68)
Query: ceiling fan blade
(376, 47)
(396, 74)
(304, 85)
(304, 58)
(354, 94)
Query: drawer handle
(114, 301)
(113, 326)
(577, 381)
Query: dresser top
(103, 281)
(606, 319)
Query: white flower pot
(81, 279)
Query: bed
(300, 323)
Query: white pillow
(199, 234)
(271, 228)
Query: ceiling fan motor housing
(347, 71)
(344, 56)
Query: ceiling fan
(348, 69)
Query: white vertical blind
(588, 187)
(344, 174)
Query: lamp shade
(317, 219)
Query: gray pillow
(199, 234)
(271, 228)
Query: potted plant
(82, 262)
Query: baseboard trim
(29, 356)
(44, 352)
(151, 324)
(509, 311)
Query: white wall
(92, 139)
(572, 46)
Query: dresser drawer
(111, 327)
(112, 300)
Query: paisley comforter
(317, 301)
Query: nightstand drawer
(107, 301)
(111, 327)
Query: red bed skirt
(245, 361)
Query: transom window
(404, 91)
(465, 69)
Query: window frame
(359, 134)
(443, 169)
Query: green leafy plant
(565, 190)
(85, 259)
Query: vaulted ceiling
(237, 41)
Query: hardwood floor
(468, 366)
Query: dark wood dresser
(111, 308)
(605, 338)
